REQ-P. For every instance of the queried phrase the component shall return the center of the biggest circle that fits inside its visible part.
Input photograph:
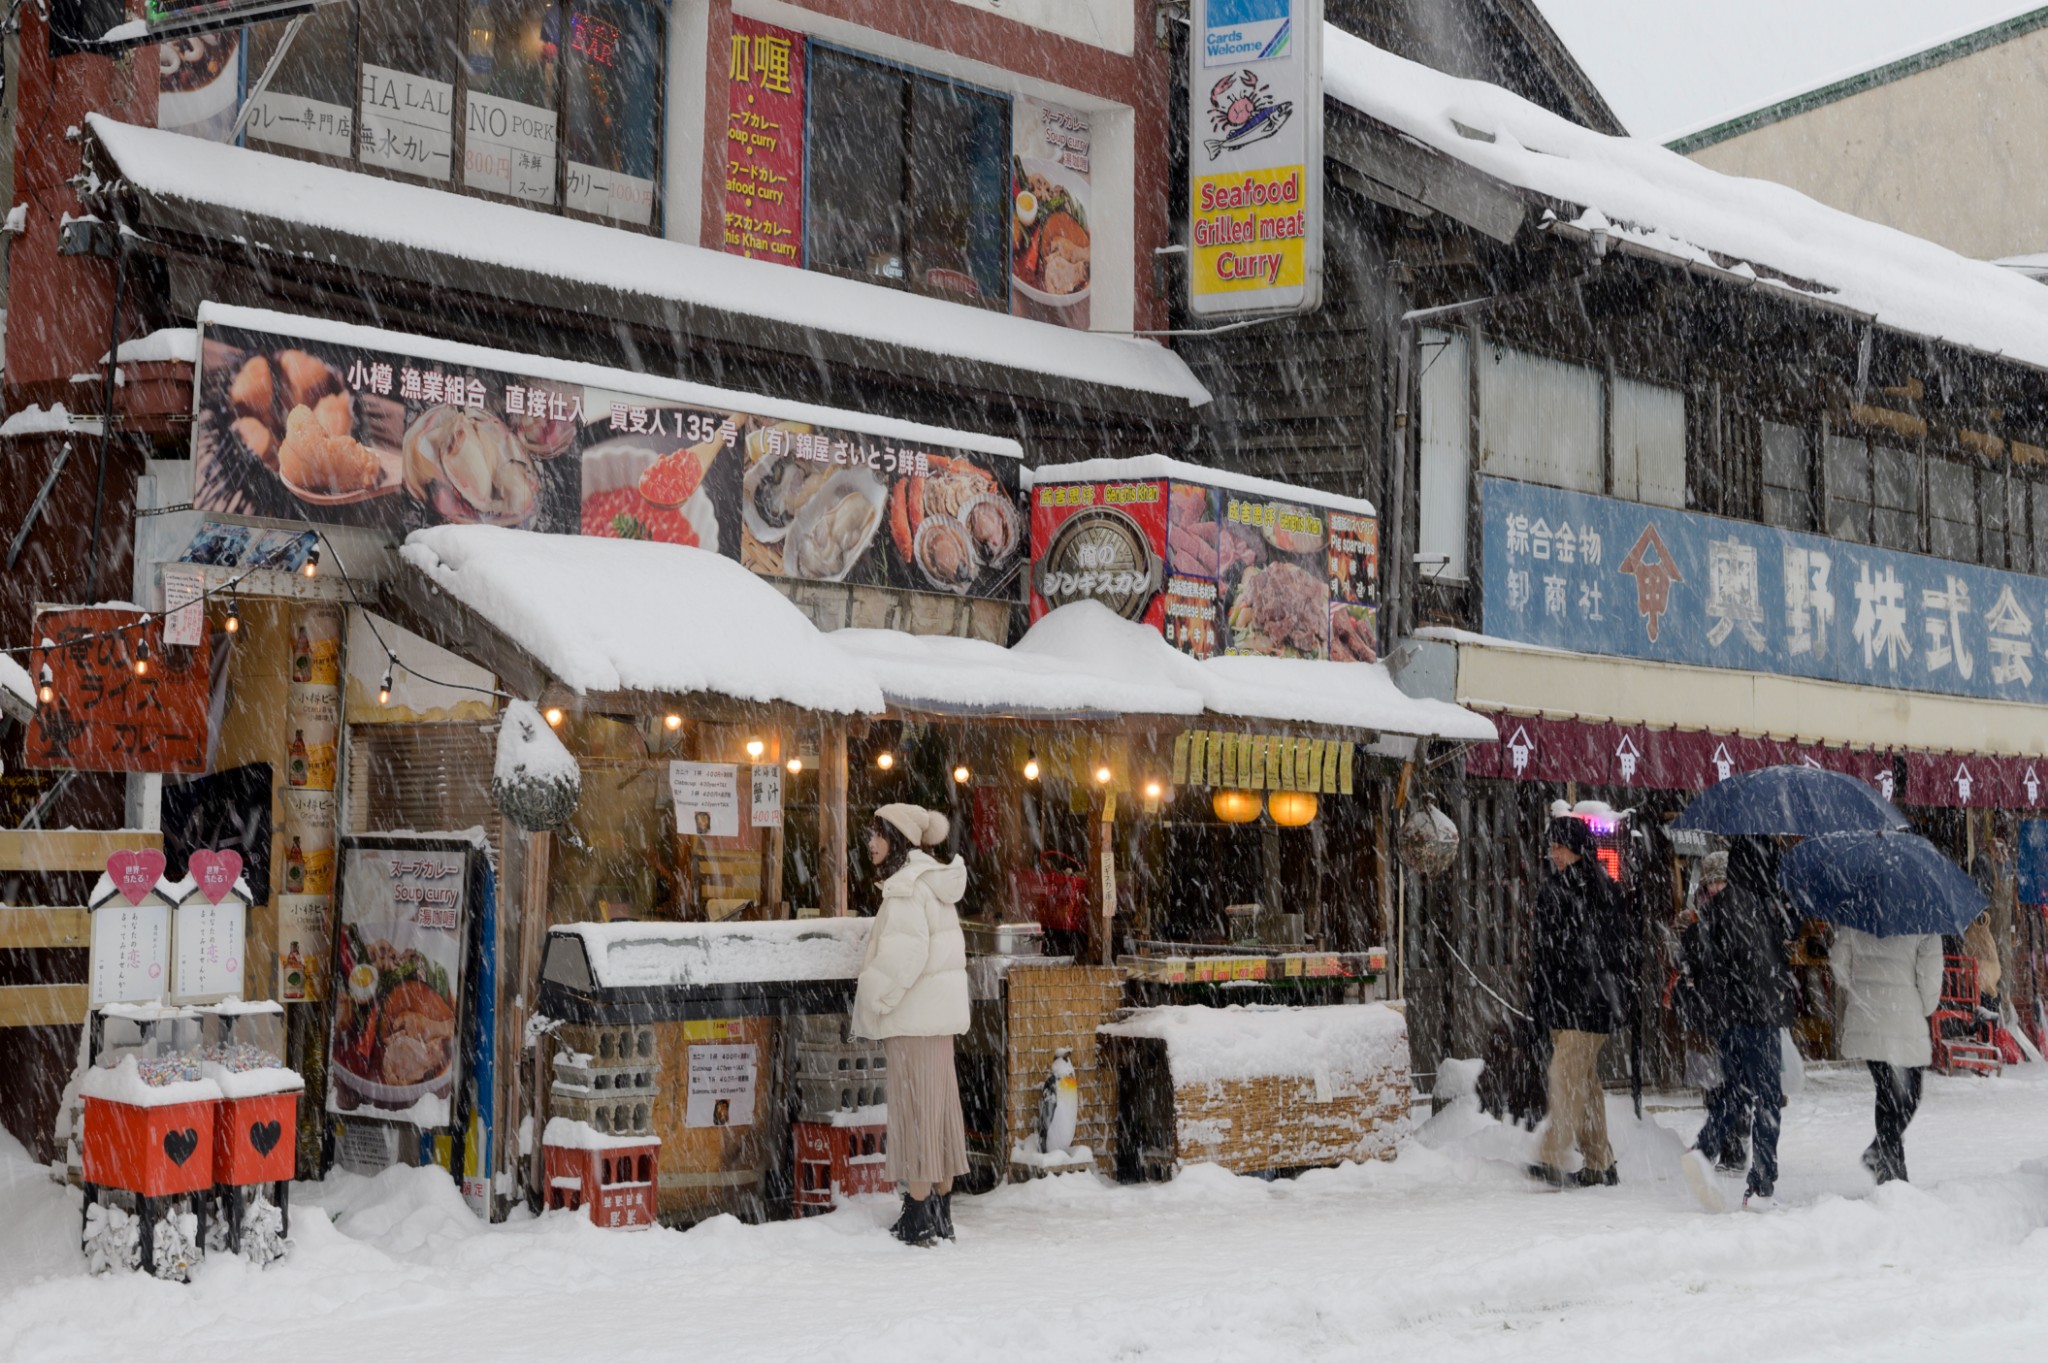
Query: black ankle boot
(920, 1223)
(902, 1217)
(945, 1216)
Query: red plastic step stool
(835, 1162)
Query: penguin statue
(1058, 1106)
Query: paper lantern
(1235, 806)
(1291, 808)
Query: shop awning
(294, 209)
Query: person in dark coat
(1695, 999)
(1734, 960)
(1582, 990)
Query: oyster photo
(993, 525)
(469, 468)
(834, 528)
(945, 555)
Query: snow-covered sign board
(130, 952)
(1598, 575)
(328, 423)
(208, 944)
(1255, 156)
(1220, 564)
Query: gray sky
(1673, 66)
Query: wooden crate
(1055, 1006)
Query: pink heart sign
(135, 874)
(216, 873)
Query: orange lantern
(1235, 806)
(1291, 808)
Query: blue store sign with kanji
(1597, 575)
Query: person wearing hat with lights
(912, 997)
(1581, 991)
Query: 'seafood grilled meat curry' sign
(309, 430)
(394, 1049)
(1219, 570)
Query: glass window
(1446, 417)
(908, 179)
(1848, 479)
(614, 107)
(1952, 509)
(1788, 500)
(1649, 443)
(1991, 522)
(2019, 523)
(1540, 420)
(310, 104)
(1895, 500)
(512, 128)
(410, 53)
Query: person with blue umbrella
(1890, 896)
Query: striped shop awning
(1211, 757)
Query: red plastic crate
(615, 1185)
(838, 1162)
(254, 1138)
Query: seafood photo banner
(1218, 570)
(1255, 156)
(302, 429)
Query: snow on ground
(1446, 1254)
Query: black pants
(1898, 1098)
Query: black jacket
(1732, 964)
(1583, 957)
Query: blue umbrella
(1793, 801)
(1886, 884)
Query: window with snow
(1952, 510)
(1788, 477)
(1649, 443)
(1895, 498)
(1848, 488)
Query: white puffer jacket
(913, 979)
(1890, 985)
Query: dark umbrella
(1793, 801)
(1886, 884)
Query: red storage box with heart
(252, 1135)
(153, 1140)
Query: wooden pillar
(832, 819)
(533, 931)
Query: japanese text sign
(1255, 155)
(106, 715)
(1597, 575)
(129, 958)
(764, 143)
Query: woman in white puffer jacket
(912, 997)
(1890, 986)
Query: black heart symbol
(179, 1145)
(264, 1136)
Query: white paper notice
(608, 194)
(765, 810)
(408, 123)
(184, 616)
(308, 124)
(707, 796)
(209, 942)
(721, 1086)
(510, 149)
(130, 953)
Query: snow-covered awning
(300, 207)
(1084, 658)
(1655, 202)
(17, 689)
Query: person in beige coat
(1889, 987)
(912, 997)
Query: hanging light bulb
(885, 760)
(312, 568)
(384, 691)
(1153, 790)
(755, 747)
(795, 765)
(1031, 767)
(672, 722)
(961, 775)
(233, 624)
(553, 715)
(142, 657)
(1102, 775)
(46, 686)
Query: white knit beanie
(923, 827)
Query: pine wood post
(832, 819)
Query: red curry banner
(1632, 755)
(764, 143)
(104, 714)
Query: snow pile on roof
(618, 615)
(1213, 1045)
(123, 1083)
(966, 674)
(425, 219)
(1161, 466)
(168, 344)
(37, 420)
(1662, 203)
(591, 375)
(670, 955)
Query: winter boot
(920, 1221)
(1544, 1173)
(902, 1217)
(945, 1216)
(1599, 1178)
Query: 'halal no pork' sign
(1255, 156)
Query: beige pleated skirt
(927, 1135)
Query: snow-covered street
(1445, 1254)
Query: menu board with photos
(1218, 569)
(298, 429)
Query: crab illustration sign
(1255, 180)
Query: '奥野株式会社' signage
(1596, 575)
(339, 425)
(1255, 156)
